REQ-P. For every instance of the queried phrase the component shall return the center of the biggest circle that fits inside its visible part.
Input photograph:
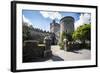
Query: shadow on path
(76, 49)
(53, 58)
(56, 58)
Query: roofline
(67, 17)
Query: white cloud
(85, 18)
(26, 20)
(51, 15)
(29, 23)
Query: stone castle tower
(55, 30)
(54, 27)
(66, 25)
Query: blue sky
(42, 19)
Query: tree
(26, 32)
(67, 36)
(82, 33)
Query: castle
(66, 25)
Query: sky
(42, 19)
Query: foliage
(82, 33)
(26, 32)
(67, 36)
(61, 44)
(31, 33)
(63, 35)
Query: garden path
(61, 55)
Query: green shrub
(61, 45)
(85, 46)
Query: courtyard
(61, 55)
(57, 41)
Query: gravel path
(61, 55)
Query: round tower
(66, 25)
